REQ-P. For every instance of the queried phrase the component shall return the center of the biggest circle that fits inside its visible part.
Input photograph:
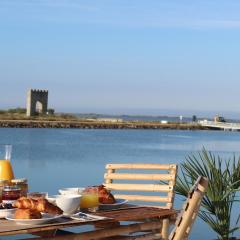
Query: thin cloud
(128, 14)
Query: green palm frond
(224, 182)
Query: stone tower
(37, 102)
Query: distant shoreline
(97, 125)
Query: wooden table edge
(75, 223)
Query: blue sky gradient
(121, 56)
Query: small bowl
(66, 191)
(68, 203)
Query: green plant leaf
(224, 182)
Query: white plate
(6, 212)
(45, 218)
(118, 204)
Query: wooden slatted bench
(161, 181)
(154, 184)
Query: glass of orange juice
(6, 171)
(89, 200)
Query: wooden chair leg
(165, 229)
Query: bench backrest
(149, 183)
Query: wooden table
(144, 218)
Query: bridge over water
(220, 125)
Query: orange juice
(6, 172)
(89, 200)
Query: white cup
(52, 198)
(68, 203)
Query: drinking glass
(6, 171)
(89, 201)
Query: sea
(52, 159)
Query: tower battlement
(38, 91)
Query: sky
(122, 56)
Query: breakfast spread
(16, 204)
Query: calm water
(56, 158)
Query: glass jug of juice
(6, 172)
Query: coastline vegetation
(17, 118)
(20, 114)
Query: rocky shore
(96, 125)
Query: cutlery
(81, 215)
(84, 216)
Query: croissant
(45, 206)
(105, 196)
(26, 203)
(40, 205)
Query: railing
(223, 125)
